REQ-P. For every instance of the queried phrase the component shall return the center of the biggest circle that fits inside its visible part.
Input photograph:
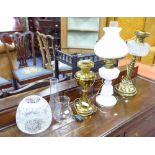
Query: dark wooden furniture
(32, 28)
(25, 48)
(47, 25)
(133, 116)
(72, 59)
(24, 43)
(50, 26)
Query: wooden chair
(25, 74)
(46, 43)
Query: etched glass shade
(33, 115)
(138, 49)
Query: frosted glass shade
(33, 115)
(138, 49)
(111, 45)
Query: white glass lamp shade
(33, 115)
(138, 49)
(111, 45)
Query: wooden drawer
(8, 117)
(118, 133)
(144, 126)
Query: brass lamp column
(138, 48)
(85, 78)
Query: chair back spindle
(24, 43)
(47, 49)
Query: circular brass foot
(125, 88)
(83, 108)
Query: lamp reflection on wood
(137, 47)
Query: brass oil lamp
(85, 78)
(137, 48)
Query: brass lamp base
(125, 88)
(84, 109)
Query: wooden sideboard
(132, 116)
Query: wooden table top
(105, 120)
